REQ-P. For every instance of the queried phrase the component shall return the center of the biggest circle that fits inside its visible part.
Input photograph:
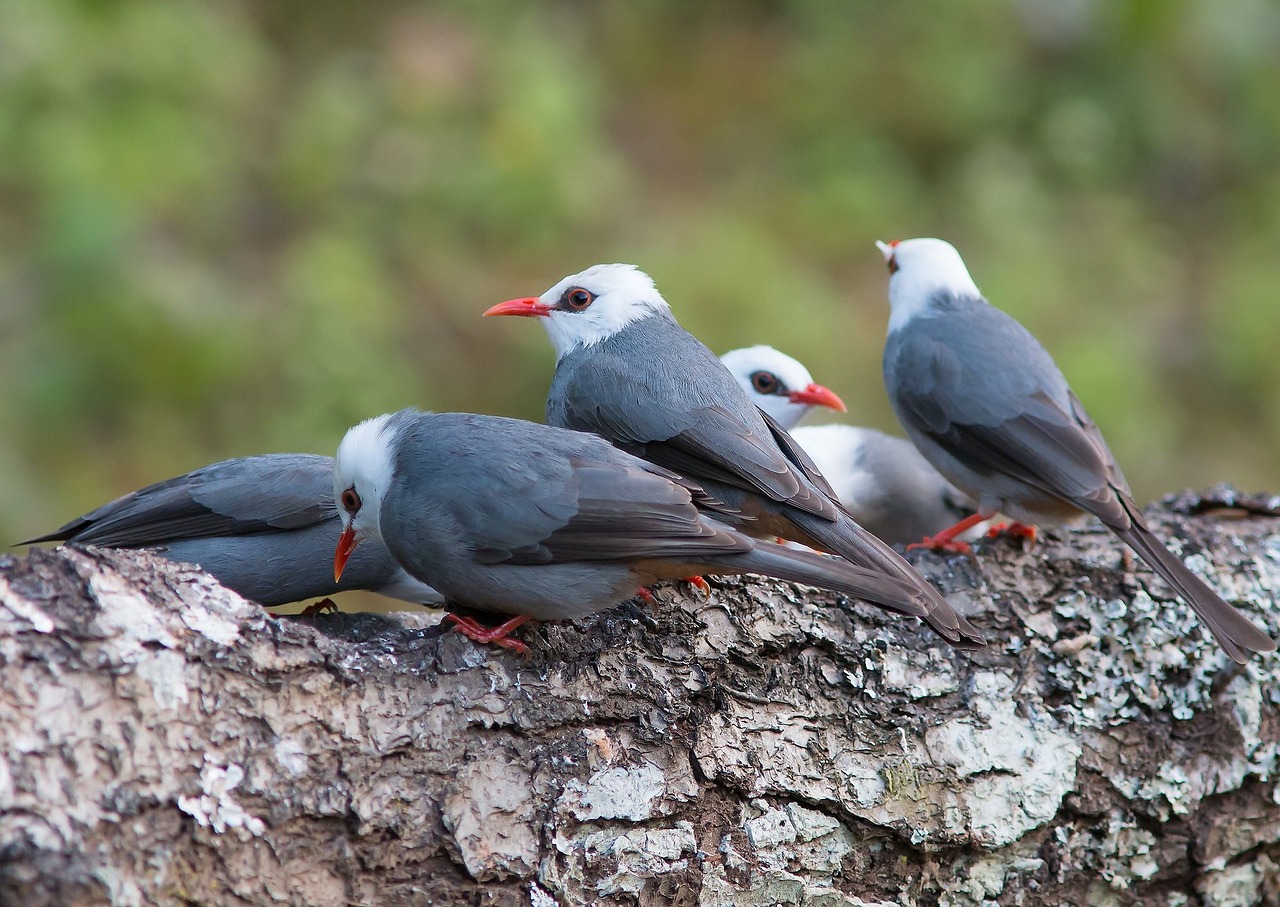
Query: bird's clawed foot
(497, 636)
(946, 539)
(646, 596)
(324, 606)
(942, 542)
(1018, 530)
(700, 584)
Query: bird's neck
(907, 307)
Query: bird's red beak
(346, 544)
(817, 395)
(528, 306)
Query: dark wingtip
(51, 537)
(958, 632)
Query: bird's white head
(919, 270)
(362, 474)
(591, 306)
(778, 384)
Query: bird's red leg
(472, 629)
(1022, 530)
(647, 596)
(325, 605)
(946, 539)
(700, 584)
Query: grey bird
(263, 526)
(883, 481)
(513, 517)
(779, 384)
(986, 405)
(628, 372)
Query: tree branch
(165, 741)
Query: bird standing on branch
(628, 372)
(984, 402)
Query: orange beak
(527, 306)
(817, 395)
(346, 544)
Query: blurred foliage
(231, 227)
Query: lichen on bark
(164, 741)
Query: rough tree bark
(164, 741)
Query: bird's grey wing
(643, 414)
(797, 455)
(583, 508)
(1011, 416)
(233, 497)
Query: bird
(626, 370)
(779, 384)
(514, 517)
(263, 526)
(985, 403)
(887, 486)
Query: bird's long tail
(849, 540)
(1237, 635)
(813, 569)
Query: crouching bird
(506, 516)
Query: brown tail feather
(849, 540)
(1238, 636)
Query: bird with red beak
(569, 526)
(779, 384)
(627, 371)
(987, 406)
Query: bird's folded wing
(797, 455)
(1001, 424)
(234, 497)
(707, 442)
(597, 511)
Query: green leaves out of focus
(227, 228)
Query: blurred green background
(233, 227)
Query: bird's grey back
(973, 358)
(265, 526)
(642, 369)
(657, 392)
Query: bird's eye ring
(350, 500)
(766, 382)
(576, 299)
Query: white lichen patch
(988, 778)
(17, 606)
(795, 835)
(1245, 885)
(629, 858)
(933, 675)
(165, 672)
(489, 812)
(126, 617)
(214, 807)
(214, 627)
(1020, 767)
(622, 792)
(291, 756)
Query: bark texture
(163, 741)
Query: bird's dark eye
(350, 500)
(893, 264)
(576, 299)
(765, 382)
